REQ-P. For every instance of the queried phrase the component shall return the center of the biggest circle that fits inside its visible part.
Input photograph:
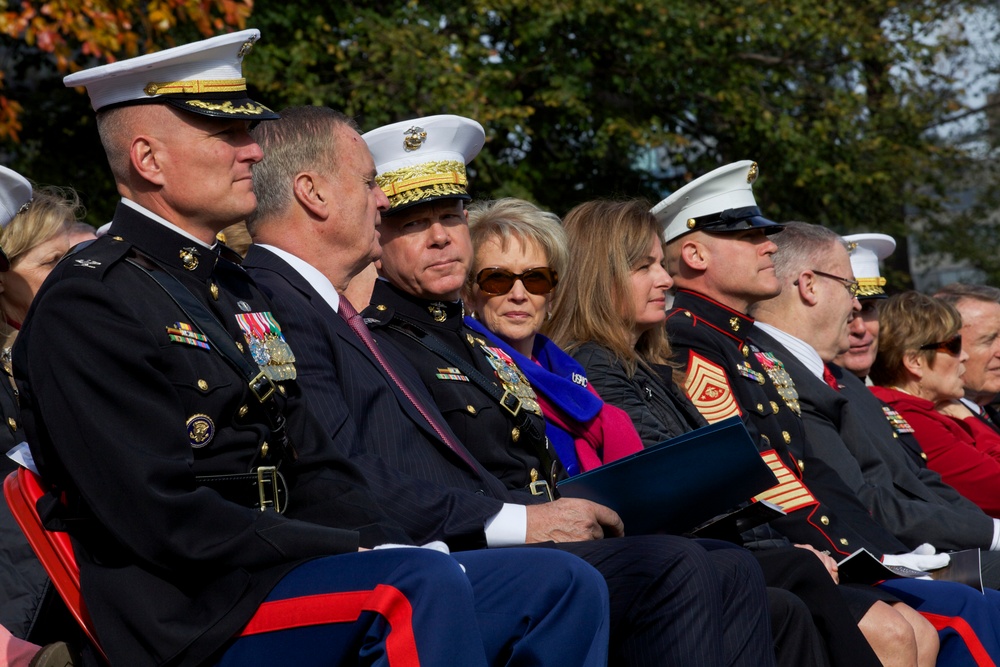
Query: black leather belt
(263, 488)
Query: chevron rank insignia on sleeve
(708, 388)
(789, 494)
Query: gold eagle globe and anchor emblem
(414, 138)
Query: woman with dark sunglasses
(918, 372)
(520, 252)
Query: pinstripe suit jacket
(844, 430)
(396, 449)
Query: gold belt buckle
(541, 488)
(268, 475)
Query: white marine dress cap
(15, 197)
(720, 201)
(424, 159)
(204, 77)
(866, 251)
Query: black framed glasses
(852, 285)
(953, 345)
(496, 281)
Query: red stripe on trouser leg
(387, 601)
(965, 631)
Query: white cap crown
(204, 77)
(424, 159)
(720, 201)
(866, 250)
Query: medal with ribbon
(267, 344)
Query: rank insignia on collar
(200, 430)
(896, 420)
(708, 388)
(451, 374)
(183, 332)
(734, 323)
(189, 258)
(87, 263)
(438, 311)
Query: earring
(548, 316)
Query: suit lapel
(261, 258)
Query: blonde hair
(52, 210)
(594, 302)
(906, 322)
(508, 218)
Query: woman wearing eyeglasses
(520, 251)
(918, 372)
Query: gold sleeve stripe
(708, 388)
(196, 86)
(789, 494)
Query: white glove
(924, 558)
(436, 545)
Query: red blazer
(965, 452)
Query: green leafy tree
(837, 100)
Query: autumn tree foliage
(76, 32)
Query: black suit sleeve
(127, 449)
(359, 411)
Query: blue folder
(680, 483)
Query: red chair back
(22, 489)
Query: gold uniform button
(843, 541)
(825, 520)
(471, 410)
(774, 407)
(515, 433)
(281, 388)
(760, 407)
(787, 438)
(264, 448)
(202, 385)
(688, 313)
(239, 346)
(895, 435)
(243, 411)
(923, 455)
(380, 307)
(766, 440)
(117, 238)
(12, 423)
(802, 465)
(214, 290)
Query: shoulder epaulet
(378, 315)
(92, 259)
(682, 313)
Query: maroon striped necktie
(357, 324)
